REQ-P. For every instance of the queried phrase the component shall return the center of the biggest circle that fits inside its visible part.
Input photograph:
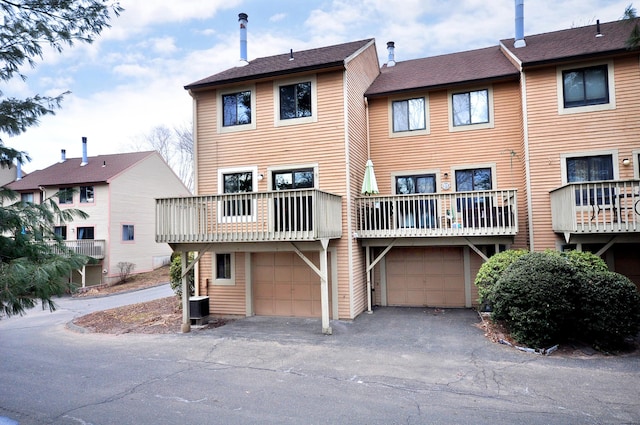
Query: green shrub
(491, 270)
(175, 275)
(609, 310)
(536, 297)
(586, 264)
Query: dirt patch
(159, 316)
(158, 276)
(499, 334)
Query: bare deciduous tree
(175, 146)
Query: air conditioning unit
(199, 310)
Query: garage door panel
(282, 291)
(397, 297)
(301, 292)
(437, 280)
(284, 286)
(302, 308)
(263, 290)
(283, 308)
(453, 299)
(264, 306)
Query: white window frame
(276, 99)
(409, 133)
(93, 194)
(589, 108)
(224, 282)
(582, 154)
(635, 161)
(127, 241)
(220, 109)
(491, 165)
(470, 127)
(403, 173)
(254, 178)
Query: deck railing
(597, 207)
(480, 213)
(94, 248)
(292, 215)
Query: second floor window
(60, 232)
(473, 179)
(585, 86)
(65, 196)
(127, 232)
(240, 182)
(409, 115)
(86, 194)
(26, 197)
(295, 100)
(84, 233)
(425, 183)
(236, 109)
(293, 179)
(470, 107)
(589, 168)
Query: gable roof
(573, 44)
(304, 60)
(488, 64)
(99, 169)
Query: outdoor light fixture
(626, 162)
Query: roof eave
(496, 79)
(578, 58)
(267, 75)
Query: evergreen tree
(34, 264)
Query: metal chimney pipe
(391, 49)
(85, 160)
(63, 155)
(243, 19)
(19, 170)
(519, 24)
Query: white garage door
(431, 276)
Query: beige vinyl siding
(444, 150)
(228, 299)
(360, 73)
(552, 134)
(132, 197)
(320, 142)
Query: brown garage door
(432, 276)
(284, 285)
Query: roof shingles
(281, 64)
(572, 44)
(99, 169)
(445, 70)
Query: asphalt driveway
(395, 366)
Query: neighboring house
(8, 174)
(474, 152)
(118, 192)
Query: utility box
(199, 310)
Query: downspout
(194, 133)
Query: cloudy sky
(131, 79)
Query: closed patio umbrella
(369, 183)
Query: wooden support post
(186, 319)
